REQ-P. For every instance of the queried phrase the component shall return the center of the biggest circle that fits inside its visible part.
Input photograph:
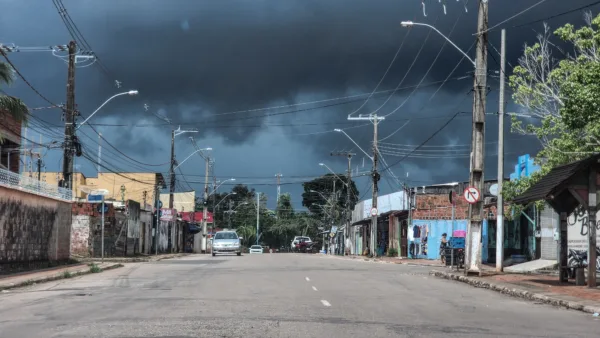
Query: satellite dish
(494, 189)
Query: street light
(336, 175)
(410, 24)
(192, 154)
(233, 193)
(131, 92)
(217, 187)
(356, 144)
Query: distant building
(182, 201)
(138, 187)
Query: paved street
(275, 295)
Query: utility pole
(214, 194)
(172, 170)
(473, 254)
(157, 207)
(123, 193)
(257, 215)
(500, 199)
(278, 176)
(205, 205)
(99, 151)
(144, 197)
(69, 121)
(375, 175)
(346, 233)
(229, 212)
(39, 167)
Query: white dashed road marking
(307, 279)
(325, 303)
(314, 288)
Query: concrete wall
(33, 230)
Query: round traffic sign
(373, 211)
(471, 195)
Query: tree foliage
(317, 196)
(563, 95)
(8, 104)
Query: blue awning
(193, 229)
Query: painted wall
(182, 201)
(430, 232)
(33, 230)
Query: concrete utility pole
(205, 206)
(157, 207)
(39, 167)
(375, 175)
(346, 233)
(473, 254)
(214, 194)
(172, 170)
(257, 215)
(500, 199)
(99, 151)
(278, 176)
(69, 121)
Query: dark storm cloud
(194, 59)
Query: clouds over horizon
(197, 62)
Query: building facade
(10, 143)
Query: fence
(29, 184)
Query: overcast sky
(222, 67)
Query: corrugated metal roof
(547, 185)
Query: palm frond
(15, 107)
(7, 73)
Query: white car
(226, 242)
(256, 249)
(298, 238)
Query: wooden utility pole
(69, 121)
(473, 254)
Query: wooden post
(592, 227)
(563, 249)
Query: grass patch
(67, 274)
(94, 268)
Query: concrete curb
(139, 259)
(376, 260)
(74, 273)
(517, 293)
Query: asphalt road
(276, 295)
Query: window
(226, 235)
(256, 247)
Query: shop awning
(193, 228)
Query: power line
(556, 15)
(25, 80)
(512, 17)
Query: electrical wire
(512, 17)
(429, 138)
(384, 74)
(431, 67)
(408, 71)
(556, 15)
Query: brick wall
(437, 206)
(34, 230)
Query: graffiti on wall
(578, 229)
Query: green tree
(318, 193)
(8, 104)
(563, 94)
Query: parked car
(297, 240)
(226, 242)
(256, 249)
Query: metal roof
(551, 183)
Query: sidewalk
(392, 260)
(46, 275)
(538, 288)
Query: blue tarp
(193, 229)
